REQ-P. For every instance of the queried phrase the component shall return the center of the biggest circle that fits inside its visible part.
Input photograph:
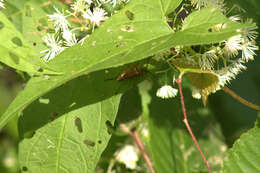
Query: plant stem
(188, 126)
(240, 99)
(138, 142)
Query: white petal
(166, 92)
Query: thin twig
(188, 126)
(66, 1)
(240, 99)
(138, 142)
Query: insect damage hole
(127, 28)
(78, 124)
(89, 143)
(24, 168)
(17, 41)
(44, 100)
(129, 15)
(110, 127)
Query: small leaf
(206, 82)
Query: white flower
(2, 5)
(207, 60)
(100, 2)
(55, 47)
(88, 1)
(248, 49)
(114, 2)
(250, 33)
(96, 17)
(208, 3)
(232, 45)
(166, 92)
(230, 72)
(196, 93)
(70, 38)
(60, 21)
(128, 155)
(235, 18)
(83, 39)
(144, 130)
(78, 6)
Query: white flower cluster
(225, 59)
(234, 52)
(2, 5)
(128, 155)
(85, 13)
(198, 4)
(245, 45)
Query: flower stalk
(188, 126)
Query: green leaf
(61, 146)
(120, 41)
(170, 6)
(15, 52)
(244, 156)
(169, 144)
(71, 128)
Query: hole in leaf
(34, 44)
(99, 141)
(89, 143)
(127, 28)
(17, 41)
(29, 134)
(129, 15)
(78, 124)
(40, 28)
(44, 100)
(53, 115)
(40, 70)
(28, 11)
(24, 168)
(1, 25)
(119, 45)
(110, 127)
(14, 57)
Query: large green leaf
(15, 52)
(65, 146)
(120, 41)
(71, 125)
(169, 144)
(244, 156)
